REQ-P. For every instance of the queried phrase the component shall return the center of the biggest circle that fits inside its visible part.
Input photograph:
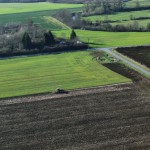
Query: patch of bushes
(46, 49)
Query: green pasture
(122, 17)
(45, 73)
(142, 23)
(10, 8)
(132, 3)
(119, 16)
(109, 39)
(23, 12)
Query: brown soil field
(140, 54)
(104, 118)
(125, 71)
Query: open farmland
(132, 3)
(110, 118)
(140, 54)
(37, 74)
(123, 17)
(23, 12)
(12, 8)
(109, 39)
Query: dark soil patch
(125, 71)
(140, 54)
(109, 120)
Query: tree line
(102, 7)
(98, 7)
(106, 26)
(31, 39)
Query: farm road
(130, 63)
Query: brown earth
(111, 118)
(140, 54)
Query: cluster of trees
(64, 16)
(102, 7)
(97, 7)
(32, 39)
(49, 40)
(11, 35)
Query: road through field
(130, 63)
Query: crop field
(23, 12)
(109, 39)
(38, 74)
(116, 119)
(140, 54)
(122, 17)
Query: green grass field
(10, 8)
(142, 23)
(132, 3)
(22, 12)
(109, 39)
(121, 16)
(37, 74)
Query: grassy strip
(50, 20)
(109, 39)
(119, 16)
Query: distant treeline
(106, 26)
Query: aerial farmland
(74, 75)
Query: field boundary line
(72, 93)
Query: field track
(110, 118)
(48, 96)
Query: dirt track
(40, 97)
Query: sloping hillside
(51, 23)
